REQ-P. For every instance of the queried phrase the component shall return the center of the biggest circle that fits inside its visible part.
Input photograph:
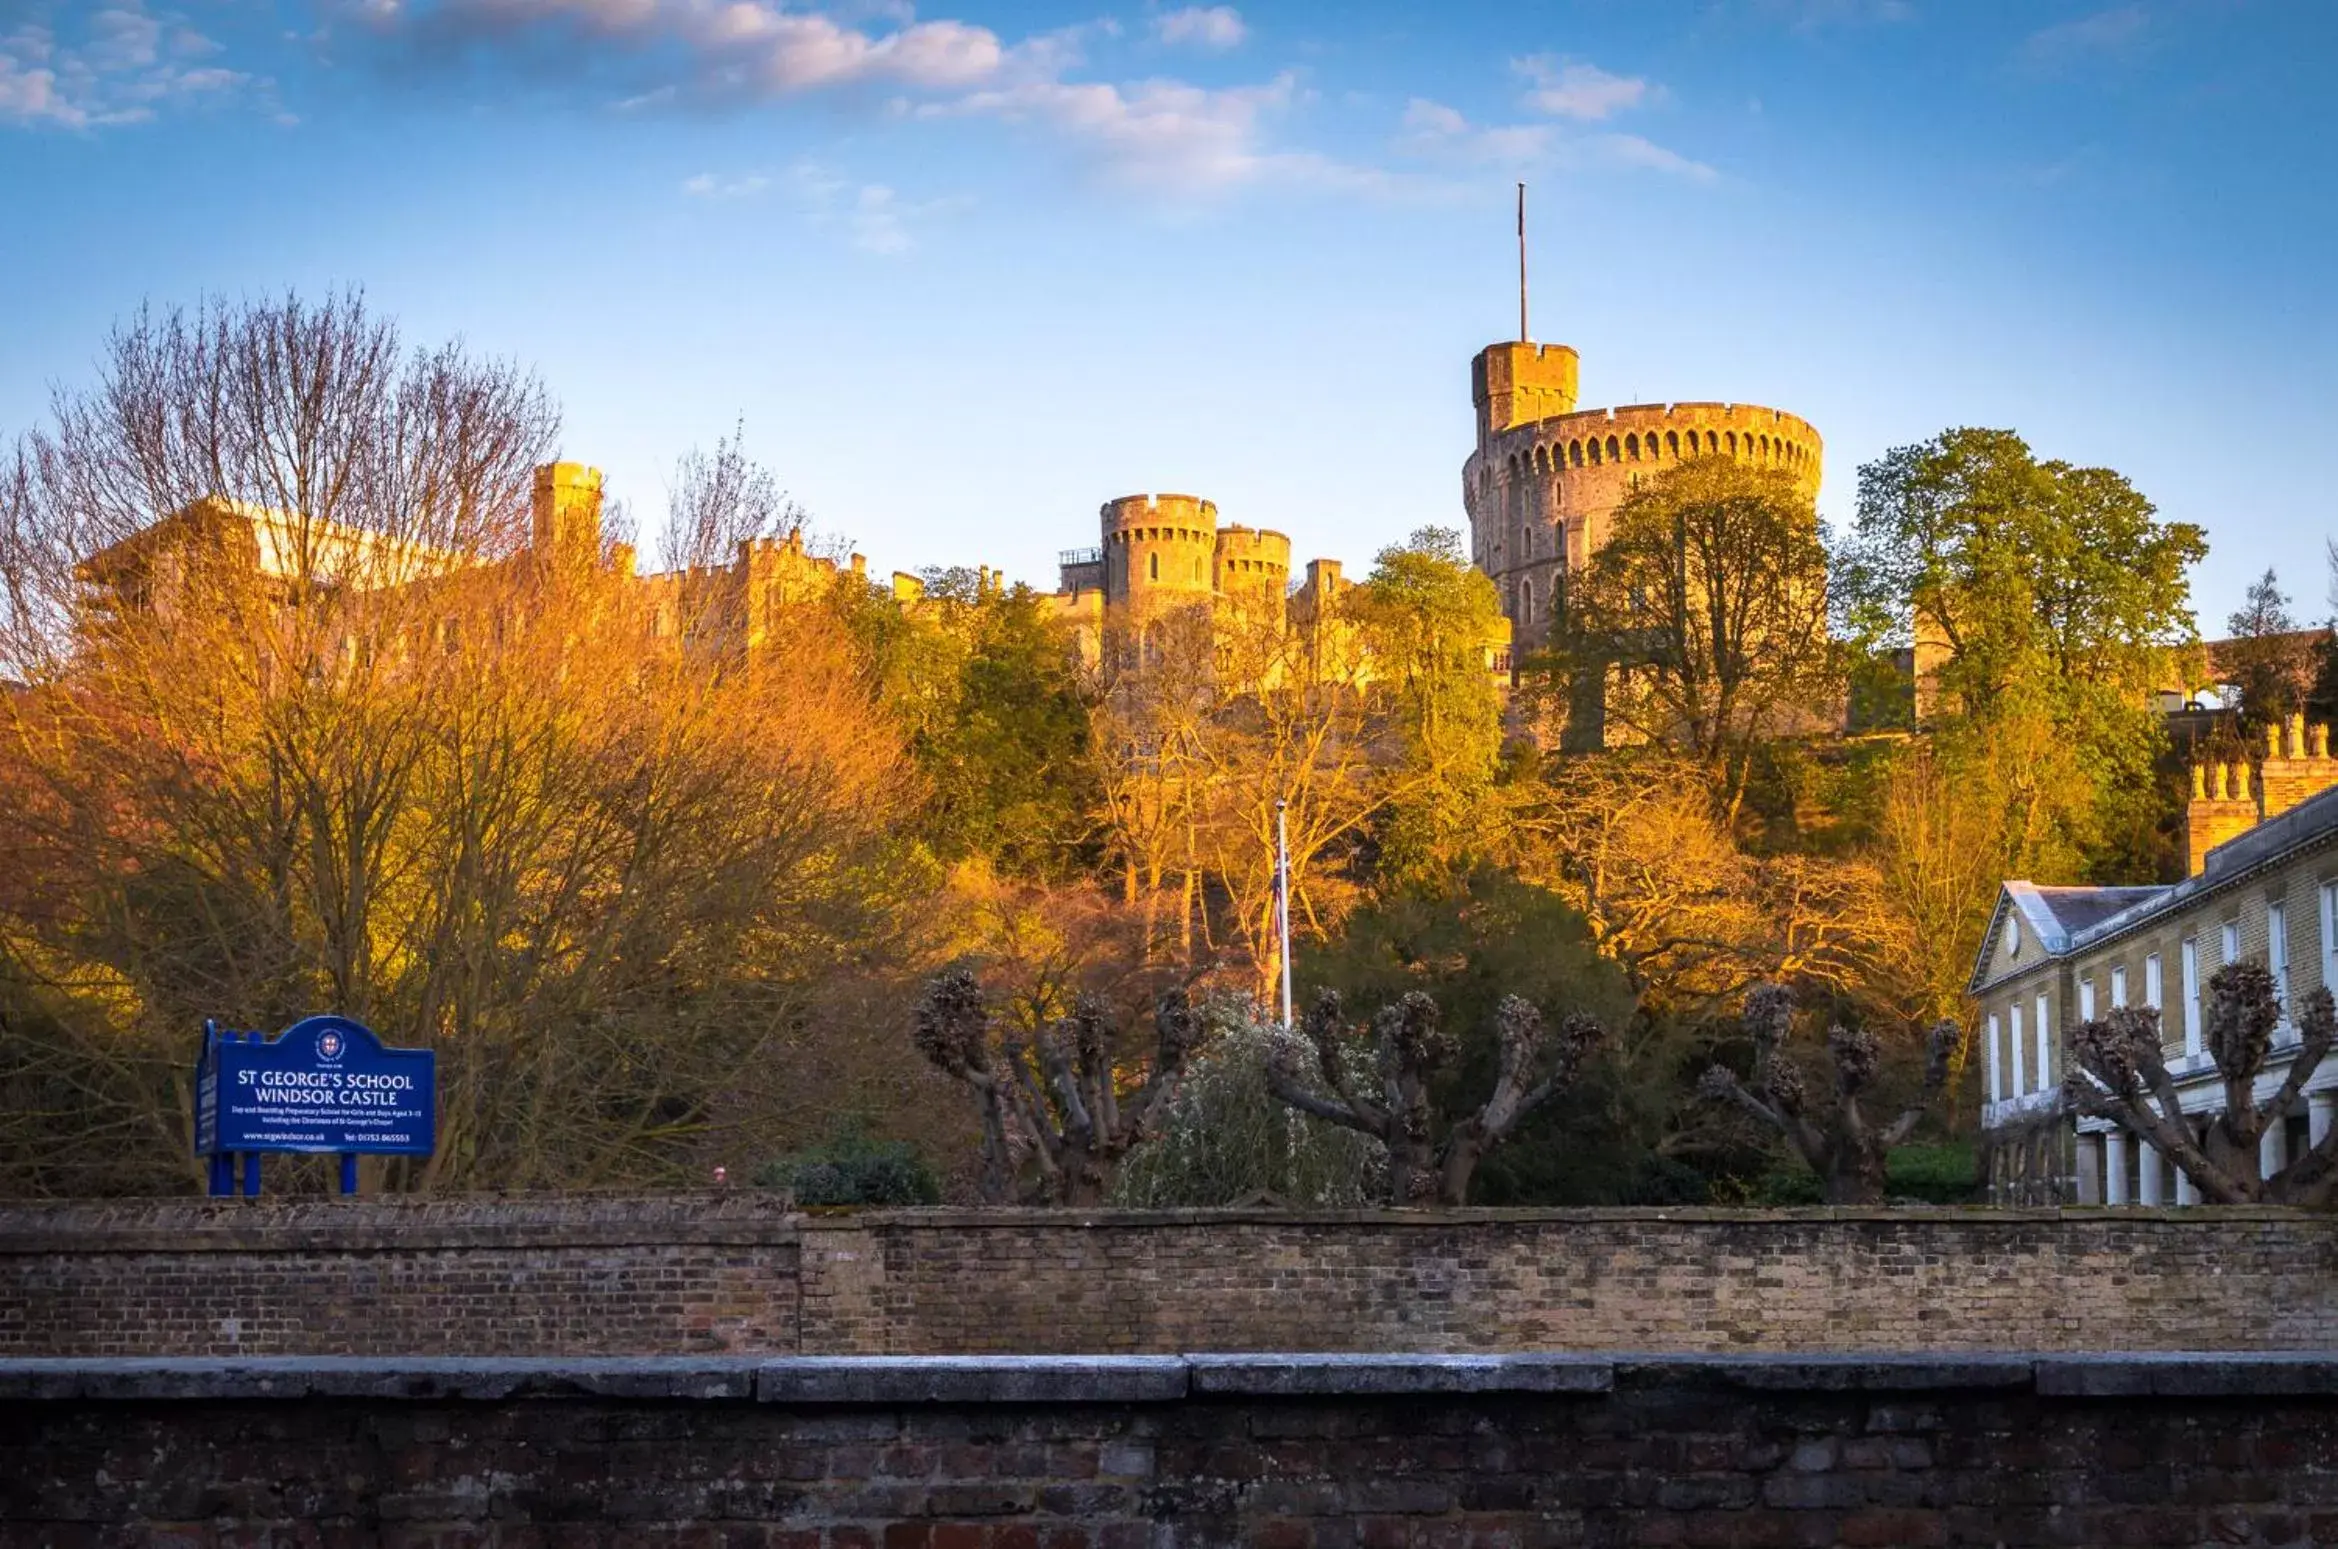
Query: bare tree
(1410, 1048)
(720, 501)
(2121, 1074)
(1838, 1143)
(299, 727)
(1057, 1092)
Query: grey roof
(2080, 909)
(2066, 919)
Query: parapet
(1187, 513)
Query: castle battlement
(1183, 514)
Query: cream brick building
(2262, 844)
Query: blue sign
(324, 1084)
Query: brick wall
(399, 1277)
(733, 1272)
(1683, 1455)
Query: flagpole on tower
(1283, 902)
(1522, 335)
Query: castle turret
(1252, 561)
(566, 512)
(1518, 383)
(1159, 550)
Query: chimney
(2298, 764)
(2220, 809)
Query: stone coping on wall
(748, 1217)
(983, 1380)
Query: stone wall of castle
(738, 1272)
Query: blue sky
(969, 270)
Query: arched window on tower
(1153, 567)
(1526, 601)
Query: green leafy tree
(1705, 615)
(989, 698)
(2019, 569)
(1427, 617)
(2057, 600)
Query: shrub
(1223, 1138)
(853, 1168)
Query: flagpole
(1283, 902)
(1522, 334)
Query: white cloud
(2113, 34)
(719, 48)
(1437, 131)
(122, 64)
(709, 185)
(1631, 150)
(872, 216)
(1165, 135)
(1203, 26)
(1572, 88)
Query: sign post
(325, 1084)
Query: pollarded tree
(1836, 1141)
(1409, 1047)
(2121, 1074)
(1055, 1096)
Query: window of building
(2277, 951)
(2013, 935)
(2118, 986)
(2045, 1046)
(2020, 1048)
(2086, 999)
(2191, 962)
(1996, 1071)
(2330, 937)
(2151, 984)
(1153, 567)
(2232, 941)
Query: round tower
(1160, 551)
(1542, 486)
(1252, 561)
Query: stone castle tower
(1546, 477)
(1160, 553)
